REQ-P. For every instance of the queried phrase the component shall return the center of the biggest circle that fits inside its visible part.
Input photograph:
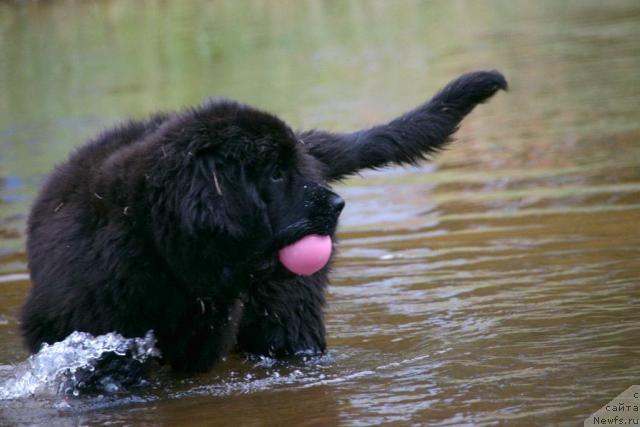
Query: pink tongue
(307, 255)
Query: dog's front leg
(285, 318)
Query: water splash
(80, 362)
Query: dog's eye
(277, 175)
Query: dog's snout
(337, 203)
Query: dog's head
(231, 183)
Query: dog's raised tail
(409, 138)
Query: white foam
(53, 369)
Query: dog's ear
(412, 137)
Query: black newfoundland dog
(212, 226)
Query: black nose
(337, 204)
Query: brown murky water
(499, 284)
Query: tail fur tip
(500, 80)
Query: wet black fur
(174, 223)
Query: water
(64, 368)
(499, 284)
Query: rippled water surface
(500, 283)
